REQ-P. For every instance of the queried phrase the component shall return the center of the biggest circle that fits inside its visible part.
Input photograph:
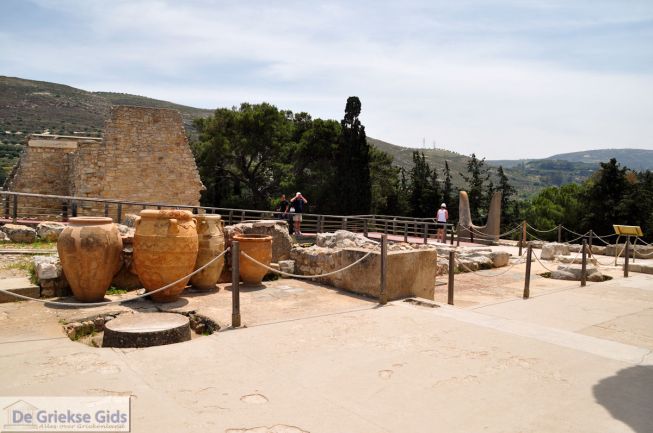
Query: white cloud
(480, 77)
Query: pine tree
(476, 178)
(353, 161)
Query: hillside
(527, 180)
(636, 159)
(28, 106)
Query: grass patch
(115, 291)
(38, 245)
(27, 266)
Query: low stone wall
(410, 273)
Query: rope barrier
(542, 231)
(573, 232)
(481, 234)
(263, 265)
(642, 241)
(117, 301)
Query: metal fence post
(383, 297)
(626, 258)
(527, 279)
(235, 284)
(583, 266)
(452, 265)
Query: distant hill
(28, 106)
(635, 159)
(527, 178)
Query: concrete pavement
(317, 360)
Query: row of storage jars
(168, 246)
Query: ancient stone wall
(144, 156)
(43, 169)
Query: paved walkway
(319, 360)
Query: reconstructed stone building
(144, 156)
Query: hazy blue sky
(502, 78)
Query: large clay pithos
(259, 247)
(89, 249)
(165, 250)
(210, 233)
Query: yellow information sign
(628, 230)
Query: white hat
(443, 205)
(298, 193)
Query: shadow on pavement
(628, 396)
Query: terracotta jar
(165, 249)
(259, 247)
(210, 233)
(89, 249)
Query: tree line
(249, 155)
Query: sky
(504, 79)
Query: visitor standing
(441, 216)
(297, 207)
(282, 210)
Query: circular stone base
(146, 329)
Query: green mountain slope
(636, 159)
(28, 106)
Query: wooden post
(458, 235)
(343, 225)
(242, 216)
(527, 279)
(106, 209)
(119, 219)
(626, 258)
(583, 266)
(383, 297)
(74, 209)
(452, 233)
(524, 233)
(426, 233)
(559, 233)
(452, 266)
(231, 217)
(521, 241)
(14, 212)
(365, 233)
(235, 284)
(385, 227)
(406, 232)
(591, 237)
(64, 210)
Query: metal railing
(39, 207)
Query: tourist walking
(297, 208)
(441, 216)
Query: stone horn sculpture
(491, 230)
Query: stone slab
(21, 286)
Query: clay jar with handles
(165, 249)
(210, 233)
(89, 249)
(259, 247)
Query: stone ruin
(144, 156)
(490, 231)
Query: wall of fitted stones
(43, 169)
(143, 157)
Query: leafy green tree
(249, 141)
(420, 187)
(603, 197)
(353, 162)
(507, 192)
(385, 183)
(477, 175)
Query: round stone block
(146, 329)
